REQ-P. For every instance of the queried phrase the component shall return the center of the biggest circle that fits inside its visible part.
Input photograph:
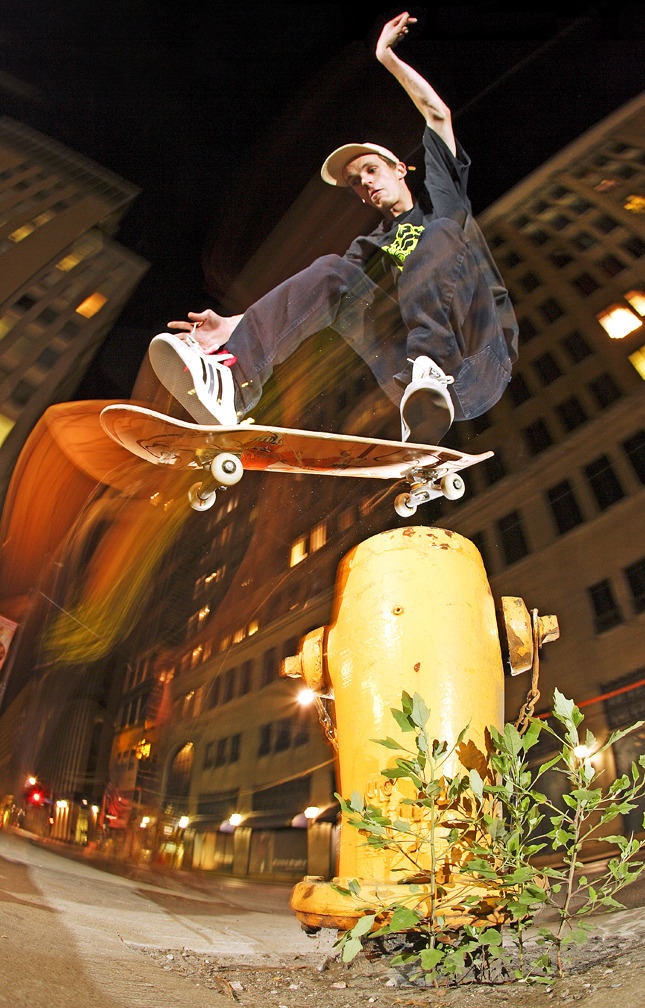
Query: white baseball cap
(332, 170)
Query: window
(576, 347)
(246, 677)
(604, 482)
(283, 735)
(519, 390)
(527, 330)
(529, 282)
(571, 413)
(318, 536)
(605, 223)
(298, 551)
(550, 310)
(494, 468)
(564, 507)
(229, 685)
(214, 693)
(266, 732)
(634, 246)
(22, 393)
(585, 284)
(301, 730)
(220, 752)
(560, 258)
(269, 666)
(635, 450)
(546, 368)
(611, 265)
(208, 755)
(234, 751)
(47, 358)
(584, 241)
(512, 538)
(604, 390)
(606, 611)
(635, 576)
(537, 437)
(480, 541)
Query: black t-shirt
(382, 253)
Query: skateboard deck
(221, 454)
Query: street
(70, 931)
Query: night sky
(221, 115)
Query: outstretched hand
(393, 32)
(207, 328)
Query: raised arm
(435, 111)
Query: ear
(401, 169)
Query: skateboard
(221, 454)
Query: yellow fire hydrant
(413, 612)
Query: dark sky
(222, 114)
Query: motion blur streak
(106, 605)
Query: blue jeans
(442, 308)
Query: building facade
(220, 766)
(64, 280)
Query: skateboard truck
(225, 470)
(426, 485)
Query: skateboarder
(420, 298)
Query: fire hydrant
(413, 612)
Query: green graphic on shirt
(405, 241)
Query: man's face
(379, 183)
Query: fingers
(187, 326)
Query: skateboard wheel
(403, 507)
(452, 486)
(227, 469)
(199, 501)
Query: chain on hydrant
(533, 694)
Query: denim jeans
(443, 308)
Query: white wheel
(452, 486)
(403, 507)
(199, 501)
(227, 469)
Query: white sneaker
(426, 407)
(201, 382)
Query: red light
(36, 797)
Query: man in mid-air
(420, 298)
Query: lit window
(6, 426)
(238, 635)
(636, 298)
(618, 321)
(7, 322)
(22, 232)
(318, 536)
(253, 628)
(91, 305)
(638, 361)
(298, 551)
(636, 204)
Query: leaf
(363, 926)
(402, 720)
(351, 948)
(388, 742)
(356, 802)
(476, 784)
(403, 919)
(420, 712)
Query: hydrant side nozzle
(309, 663)
(516, 633)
